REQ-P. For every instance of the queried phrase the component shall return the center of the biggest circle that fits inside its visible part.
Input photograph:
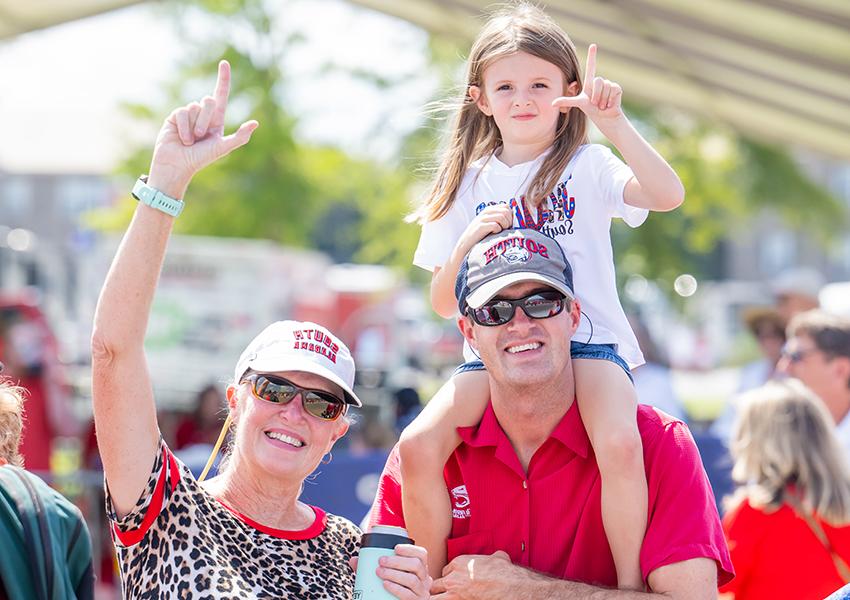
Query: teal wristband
(156, 199)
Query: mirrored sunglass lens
(538, 307)
(321, 407)
(496, 312)
(487, 314)
(279, 393)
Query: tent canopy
(777, 70)
(21, 16)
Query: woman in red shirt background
(788, 524)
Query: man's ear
(480, 100)
(575, 316)
(467, 330)
(841, 368)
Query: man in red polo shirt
(524, 483)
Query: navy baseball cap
(509, 257)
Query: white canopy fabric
(21, 16)
(777, 70)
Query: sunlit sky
(61, 88)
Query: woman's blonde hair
(11, 422)
(521, 27)
(784, 436)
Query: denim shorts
(577, 350)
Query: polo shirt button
(524, 484)
(522, 546)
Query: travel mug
(380, 541)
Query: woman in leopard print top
(244, 533)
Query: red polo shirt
(550, 519)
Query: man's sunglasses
(277, 390)
(796, 356)
(540, 305)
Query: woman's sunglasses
(540, 305)
(277, 390)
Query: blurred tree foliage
(277, 187)
(730, 181)
(299, 194)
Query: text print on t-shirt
(555, 218)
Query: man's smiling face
(524, 351)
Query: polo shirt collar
(569, 431)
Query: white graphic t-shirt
(577, 215)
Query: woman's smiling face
(284, 440)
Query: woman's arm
(122, 395)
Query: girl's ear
(573, 89)
(480, 100)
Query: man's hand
(473, 577)
(192, 137)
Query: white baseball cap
(300, 346)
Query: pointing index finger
(590, 68)
(222, 91)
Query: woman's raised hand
(600, 99)
(192, 137)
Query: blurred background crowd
(307, 222)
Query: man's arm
(473, 577)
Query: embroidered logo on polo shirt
(460, 503)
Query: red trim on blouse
(316, 528)
(175, 470)
(171, 470)
(134, 536)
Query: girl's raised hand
(192, 137)
(600, 99)
(492, 219)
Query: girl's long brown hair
(519, 28)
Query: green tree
(277, 187)
(729, 181)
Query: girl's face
(284, 440)
(518, 92)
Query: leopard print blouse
(180, 542)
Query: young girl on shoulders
(519, 156)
